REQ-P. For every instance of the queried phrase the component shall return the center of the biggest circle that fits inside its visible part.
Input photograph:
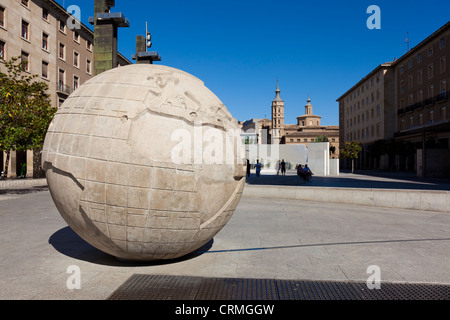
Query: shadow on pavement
(348, 180)
(67, 242)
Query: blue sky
(240, 47)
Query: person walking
(258, 168)
(248, 168)
(283, 167)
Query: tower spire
(277, 96)
(308, 107)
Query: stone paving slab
(265, 238)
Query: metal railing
(63, 88)
(427, 102)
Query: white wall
(316, 156)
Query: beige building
(366, 111)
(422, 100)
(400, 109)
(59, 51)
(307, 129)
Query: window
(2, 50)
(2, 17)
(443, 64)
(419, 77)
(430, 116)
(62, 49)
(88, 66)
(442, 42)
(402, 86)
(420, 96)
(410, 64)
(410, 99)
(430, 92)
(430, 50)
(76, 59)
(402, 69)
(25, 61)
(76, 37)
(45, 14)
(419, 58)
(25, 3)
(45, 41)
(430, 71)
(410, 81)
(62, 26)
(444, 113)
(25, 30)
(420, 119)
(443, 87)
(44, 70)
(60, 102)
(411, 122)
(61, 79)
(76, 82)
(89, 45)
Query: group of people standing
(302, 172)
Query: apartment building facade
(400, 109)
(366, 112)
(422, 100)
(61, 52)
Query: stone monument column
(106, 25)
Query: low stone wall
(22, 183)
(388, 198)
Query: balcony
(442, 97)
(62, 88)
(427, 102)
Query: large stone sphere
(144, 162)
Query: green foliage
(351, 150)
(321, 139)
(25, 109)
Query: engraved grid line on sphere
(124, 195)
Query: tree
(25, 110)
(321, 139)
(351, 150)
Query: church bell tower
(277, 117)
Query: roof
(381, 66)
(433, 36)
(402, 58)
(278, 97)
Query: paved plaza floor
(265, 238)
